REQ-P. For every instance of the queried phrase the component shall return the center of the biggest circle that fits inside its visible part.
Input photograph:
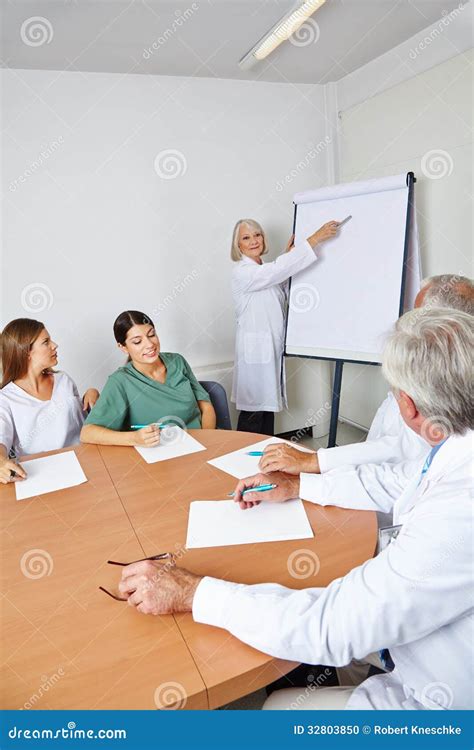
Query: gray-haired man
(372, 474)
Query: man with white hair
(372, 474)
(414, 598)
(448, 290)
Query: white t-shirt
(28, 425)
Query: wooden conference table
(67, 645)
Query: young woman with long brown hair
(40, 408)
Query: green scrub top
(129, 397)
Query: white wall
(423, 124)
(389, 114)
(87, 215)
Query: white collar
(455, 451)
(245, 259)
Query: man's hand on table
(156, 588)
(287, 489)
(283, 457)
(161, 588)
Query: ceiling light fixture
(282, 31)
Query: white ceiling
(113, 36)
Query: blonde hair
(235, 252)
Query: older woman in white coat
(259, 293)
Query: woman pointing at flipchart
(259, 293)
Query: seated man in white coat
(371, 475)
(415, 598)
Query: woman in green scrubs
(152, 387)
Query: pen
(344, 221)
(255, 453)
(141, 426)
(13, 473)
(259, 488)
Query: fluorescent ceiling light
(282, 31)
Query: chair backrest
(218, 398)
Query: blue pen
(259, 488)
(255, 453)
(141, 426)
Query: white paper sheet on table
(49, 474)
(174, 442)
(220, 523)
(238, 464)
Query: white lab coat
(415, 598)
(370, 475)
(259, 293)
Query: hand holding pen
(147, 436)
(276, 488)
(258, 488)
(11, 471)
